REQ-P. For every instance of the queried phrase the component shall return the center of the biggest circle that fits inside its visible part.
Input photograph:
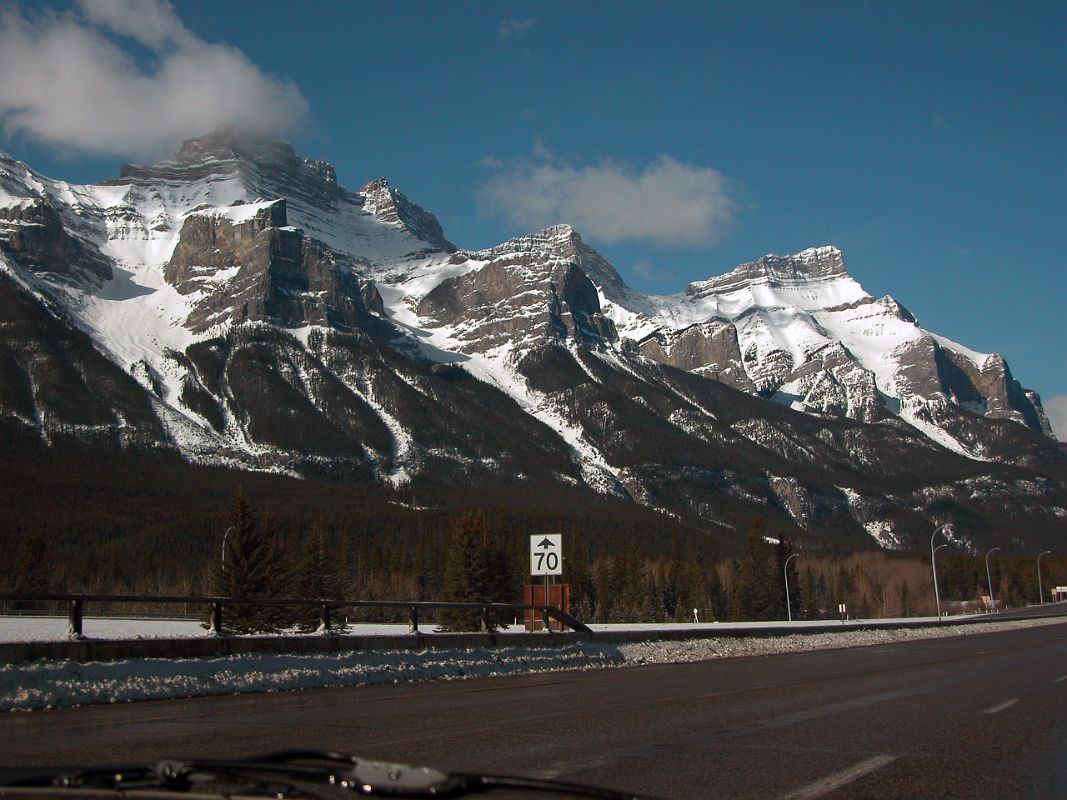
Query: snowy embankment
(56, 684)
(54, 628)
(31, 628)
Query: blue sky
(926, 140)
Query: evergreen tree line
(482, 557)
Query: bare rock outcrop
(256, 268)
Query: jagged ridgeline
(235, 306)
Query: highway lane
(979, 715)
(1028, 612)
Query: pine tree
(426, 568)
(756, 591)
(476, 571)
(717, 600)
(846, 590)
(674, 597)
(580, 578)
(32, 570)
(813, 602)
(254, 565)
(318, 577)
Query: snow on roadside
(30, 628)
(57, 684)
(36, 628)
(705, 649)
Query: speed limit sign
(546, 554)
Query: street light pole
(1040, 591)
(933, 567)
(228, 531)
(989, 580)
(785, 574)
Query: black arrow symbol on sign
(546, 543)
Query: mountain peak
(264, 163)
(379, 198)
(561, 232)
(562, 242)
(231, 142)
(388, 204)
(814, 263)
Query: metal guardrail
(77, 603)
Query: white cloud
(509, 26)
(153, 23)
(643, 268)
(1056, 409)
(652, 272)
(69, 84)
(668, 202)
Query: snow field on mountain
(402, 442)
(58, 684)
(493, 368)
(799, 316)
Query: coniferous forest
(72, 520)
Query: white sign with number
(546, 554)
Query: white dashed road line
(1001, 706)
(835, 781)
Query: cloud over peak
(667, 202)
(69, 84)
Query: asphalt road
(983, 716)
(1029, 612)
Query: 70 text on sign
(546, 554)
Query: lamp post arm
(933, 566)
(989, 580)
(785, 574)
(1040, 590)
(228, 531)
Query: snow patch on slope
(495, 368)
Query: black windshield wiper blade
(278, 775)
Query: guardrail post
(216, 620)
(74, 620)
(324, 619)
(485, 619)
(545, 620)
(413, 619)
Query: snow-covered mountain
(236, 304)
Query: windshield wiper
(290, 773)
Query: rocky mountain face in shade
(235, 304)
(522, 294)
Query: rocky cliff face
(707, 348)
(33, 235)
(530, 290)
(390, 205)
(808, 266)
(247, 264)
(237, 305)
